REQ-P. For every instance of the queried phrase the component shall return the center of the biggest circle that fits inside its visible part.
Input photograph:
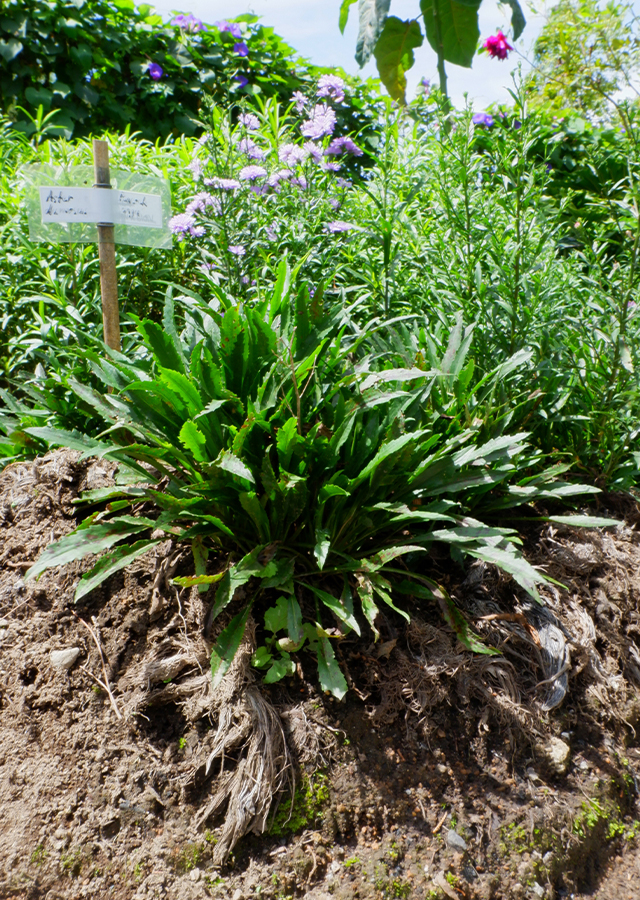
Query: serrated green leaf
(378, 560)
(194, 440)
(364, 589)
(230, 463)
(82, 541)
(331, 678)
(110, 563)
(227, 645)
(161, 345)
(383, 589)
(336, 606)
(248, 567)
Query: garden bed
(442, 774)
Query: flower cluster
(184, 223)
(232, 27)
(482, 118)
(188, 23)
(331, 87)
(321, 122)
(496, 45)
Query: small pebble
(455, 841)
(64, 659)
(195, 874)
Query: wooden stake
(107, 253)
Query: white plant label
(100, 206)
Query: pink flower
(496, 45)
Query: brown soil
(442, 774)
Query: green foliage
(340, 469)
(584, 55)
(89, 60)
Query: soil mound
(442, 774)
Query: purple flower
(241, 48)
(250, 122)
(183, 224)
(259, 189)
(321, 123)
(314, 151)
(292, 154)
(343, 183)
(300, 100)
(331, 87)
(188, 23)
(250, 173)
(155, 71)
(195, 167)
(300, 181)
(232, 27)
(483, 119)
(271, 233)
(341, 145)
(242, 80)
(223, 184)
(333, 203)
(251, 149)
(517, 124)
(237, 250)
(338, 226)
(426, 85)
(200, 202)
(245, 278)
(331, 166)
(281, 175)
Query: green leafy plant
(340, 467)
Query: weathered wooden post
(107, 253)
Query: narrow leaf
(321, 549)
(584, 521)
(456, 621)
(344, 14)
(336, 607)
(331, 678)
(364, 589)
(227, 645)
(110, 563)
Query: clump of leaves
(271, 435)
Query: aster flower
(300, 100)
(195, 167)
(292, 154)
(337, 227)
(341, 145)
(251, 173)
(259, 189)
(250, 122)
(250, 149)
(331, 87)
(232, 27)
(299, 181)
(343, 183)
(241, 48)
(200, 202)
(314, 151)
(321, 123)
(425, 85)
(183, 224)
(155, 71)
(223, 184)
(281, 175)
(496, 45)
(237, 250)
(483, 119)
(331, 166)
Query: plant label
(108, 207)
